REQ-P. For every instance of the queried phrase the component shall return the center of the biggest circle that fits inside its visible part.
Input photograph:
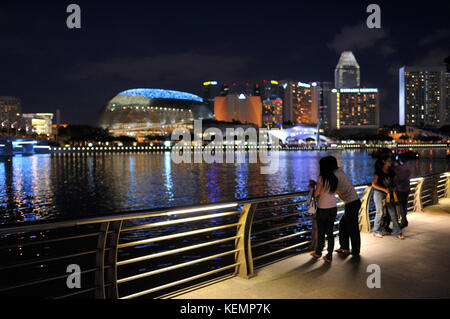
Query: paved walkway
(417, 267)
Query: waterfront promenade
(416, 267)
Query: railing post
(447, 185)
(111, 272)
(100, 262)
(243, 243)
(435, 199)
(364, 218)
(417, 196)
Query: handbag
(312, 202)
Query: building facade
(142, 112)
(300, 107)
(38, 123)
(272, 113)
(10, 112)
(354, 108)
(423, 96)
(238, 107)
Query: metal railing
(158, 252)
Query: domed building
(142, 112)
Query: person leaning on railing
(383, 195)
(349, 224)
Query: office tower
(347, 73)
(238, 107)
(299, 107)
(10, 111)
(268, 89)
(423, 98)
(272, 113)
(447, 97)
(211, 89)
(352, 108)
(320, 96)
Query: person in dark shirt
(383, 185)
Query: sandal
(326, 259)
(401, 237)
(315, 255)
(378, 235)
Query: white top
(326, 199)
(345, 189)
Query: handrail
(236, 235)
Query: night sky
(178, 45)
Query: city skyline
(49, 66)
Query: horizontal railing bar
(31, 283)
(182, 281)
(279, 227)
(279, 206)
(281, 250)
(174, 251)
(279, 217)
(173, 236)
(76, 293)
(280, 238)
(50, 241)
(423, 196)
(178, 221)
(46, 260)
(158, 271)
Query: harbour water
(74, 186)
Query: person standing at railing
(402, 175)
(326, 213)
(383, 185)
(348, 225)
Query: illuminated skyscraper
(354, 108)
(299, 107)
(347, 73)
(272, 114)
(423, 96)
(211, 89)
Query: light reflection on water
(49, 187)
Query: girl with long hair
(327, 210)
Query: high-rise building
(10, 111)
(211, 89)
(321, 100)
(238, 107)
(354, 108)
(347, 73)
(299, 106)
(423, 97)
(447, 97)
(272, 114)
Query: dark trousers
(325, 221)
(349, 227)
(403, 201)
